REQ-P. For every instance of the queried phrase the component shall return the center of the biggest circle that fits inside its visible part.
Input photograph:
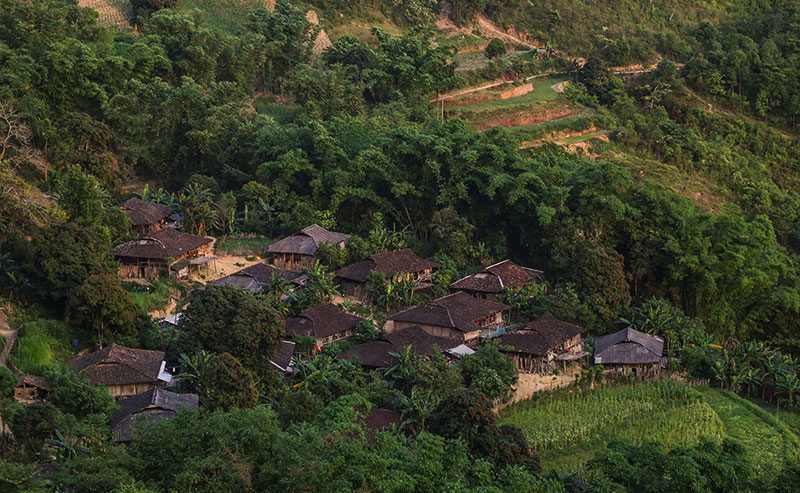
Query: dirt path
(8, 334)
(529, 384)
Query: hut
(282, 360)
(377, 354)
(458, 316)
(154, 405)
(160, 252)
(398, 264)
(542, 343)
(31, 388)
(125, 371)
(325, 323)
(258, 278)
(298, 250)
(148, 217)
(491, 281)
(629, 351)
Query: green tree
(495, 48)
(226, 384)
(225, 319)
(103, 306)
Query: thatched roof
(321, 321)
(389, 263)
(119, 365)
(307, 240)
(540, 336)
(161, 244)
(372, 354)
(34, 381)
(628, 346)
(153, 405)
(375, 354)
(283, 358)
(143, 213)
(493, 279)
(255, 277)
(457, 311)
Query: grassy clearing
(768, 440)
(40, 343)
(228, 15)
(241, 246)
(281, 113)
(542, 92)
(157, 297)
(570, 427)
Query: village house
(377, 353)
(297, 251)
(282, 359)
(325, 323)
(397, 265)
(147, 217)
(542, 343)
(458, 316)
(491, 281)
(31, 388)
(151, 406)
(629, 351)
(125, 371)
(258, 278)
(160, 252)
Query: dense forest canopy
(252, 129)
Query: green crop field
(542, 91)
(228, 15)
(572, 426)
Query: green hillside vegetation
(682, 220)
(571, 427)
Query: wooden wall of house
(433, 330)
(640, 372)
(339, 336)
(292, 261)
(131, 389)
(144, 271)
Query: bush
(495, 48)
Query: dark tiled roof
(284, 356)
(628, 346)
(142, 213)
(155, 404)
(421, 342)
(389, 263)
(119, 365)
(372, 354)
(375, 354)
(540, 336)
(307, 240)
(255, 276)
(493, 279)
(162, 244)
(321, 321)
(458, 310)
(35, 381)
(380, 419)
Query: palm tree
(198, 209)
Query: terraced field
(571, 427)
(116, 13)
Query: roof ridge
(496, 264)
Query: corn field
(116, 13)
(665, 411)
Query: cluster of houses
(453, 325)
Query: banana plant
(69, 446)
